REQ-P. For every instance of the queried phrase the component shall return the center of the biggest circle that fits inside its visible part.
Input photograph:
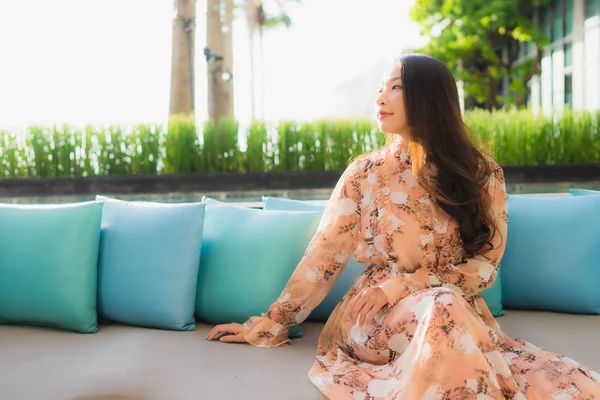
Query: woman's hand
(227, 333)
(366, 304)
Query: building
(570, 68)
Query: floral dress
(436, 339)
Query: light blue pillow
(283, 204)
(49, 265)
(552, 257)
(149, 260)
(352, 271)
(582, 192)
(248, 256)
(492, 296)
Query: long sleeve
(475, 274)
(326, 256)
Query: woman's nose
(380, 100)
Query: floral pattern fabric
(436, 339)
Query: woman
(428, 215)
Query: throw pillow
(248, 256)
(552, 254)
(49, 265)
(149, 260)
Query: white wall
(548, 94)
(558, 80)
(592, 63)
(546, 84)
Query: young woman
(428, 215)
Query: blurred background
(109, 61)
(92, 88)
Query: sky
(108, 61)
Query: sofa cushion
(345, 280)
(492, 296)
(552, 257)
(149, 260)
(582, 192)
(281, 203)
(158, 364)
(49, 264)
(248, 255)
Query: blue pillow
(248, 256)
(492, 296)
(149, 260)
(352, 271)
(49, 265)
(582, 192)
(283, 204)
(552, 257)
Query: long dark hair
(439, 136)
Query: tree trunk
(227, 37)
(214, 42)
(182, 97)
(262, 72)
(251, 21)
(535, 69)
(492, 98)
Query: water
(246, 197)
(255, 197)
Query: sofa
(112, 299)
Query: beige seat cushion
(42, 364)
(574, 336)
(129, 363)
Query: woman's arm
(468, 278)
(326, 256)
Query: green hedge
(513, 137)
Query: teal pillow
(492, 296)
(552, 257)
(49, 264)
(582, 192)
(248, 256)
(353, 268)
(149, 260)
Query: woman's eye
(396, 87)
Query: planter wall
(519, 178)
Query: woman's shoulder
(494, 173)
(360, 168)
(495, 169)
(369, 161)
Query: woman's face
(391, 115)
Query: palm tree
(252, 20)
(219, 58)
(219, 50)
(257, 21)
(182, 97)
